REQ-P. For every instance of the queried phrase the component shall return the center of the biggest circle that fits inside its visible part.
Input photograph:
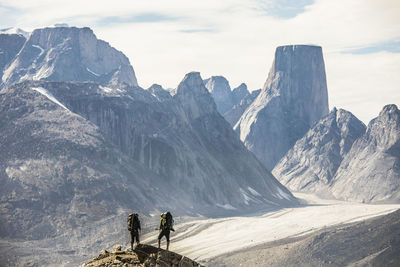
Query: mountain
(77, 157)
(126, 141)
(220, 90)
(59, 171)
(312, 162)
(69, 54)
(292, 100)
(10, 44)
(233, 115)
(370, 172)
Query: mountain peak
(69, 54)
(389, 109)
(194, 96)
(192, 83)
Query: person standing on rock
(166, 225)
(134, 227)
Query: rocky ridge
(370, 172)
(312, 162)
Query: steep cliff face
(69, 54)
(370, 172)
(220, 90)
(294, 97)
(313, 161)
(10, 44)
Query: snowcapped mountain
(294, 97)
(69, 54)
(312, 162)
(370, 172)
(14, 30)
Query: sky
(165, 39)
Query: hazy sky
(165, 39)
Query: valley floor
(207, 239)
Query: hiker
(134, 227)
(166, 225)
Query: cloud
(284, 9)
(237, 38)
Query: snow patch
(40, 48)
(247, 198)
(254, 192)
(92, 72)
(108, 90)
(282, 195)
(49, 95)
(226, 206)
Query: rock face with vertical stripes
(292, 100)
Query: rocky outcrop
(313, 161)
(294, 97)
(220, 90)
(10, 44)
(370, 172)
(69, 54)
(142, 255)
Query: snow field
(209, 238)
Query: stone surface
(69, 54)
(313, 161)
(370, 172)
(294, 97)
(10, 44)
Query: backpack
(167, 221)
(133, 222)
